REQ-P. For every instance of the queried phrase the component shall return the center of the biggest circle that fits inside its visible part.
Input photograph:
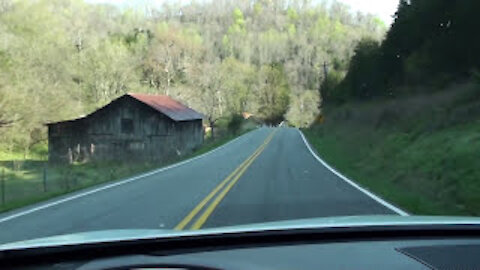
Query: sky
(382, 8)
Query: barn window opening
(127, 126)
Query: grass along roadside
(30, 181)
(212, 144)
(425, 163)
(424, 175)
(348, 159)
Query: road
(269, 174)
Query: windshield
(186, 115)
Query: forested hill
(405, 120)
(64, 58)
(430, 44)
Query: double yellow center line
(224, 187)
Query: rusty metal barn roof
(161, 103)
(168, 106)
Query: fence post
(45, 179)
(3, 186)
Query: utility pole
(325, 70)
(325, 75)
(322, 82)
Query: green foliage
(360, 82)
(303, 109)
(257, 9)
(415, 155)
(235, 123)
(63, 59)
(238, 87)
(429, 43)
(272, 94)
(292, 14)
(379, 23)
(330, 88)
(238, 18)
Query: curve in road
(268, 175)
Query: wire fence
(24, 182)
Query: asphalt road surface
(269, 174)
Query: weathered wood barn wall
(132, 127)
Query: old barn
(133, 127)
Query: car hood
(106, 236)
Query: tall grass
(422, 152)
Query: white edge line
(122, 182)
(344, 178)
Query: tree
(108, 72)
(362, 80)
(239, 80)
(271, 94)
(428, 43)
(209, 99)
(303, 109)
(7, 117)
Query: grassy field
(423, 155)
(27, 181)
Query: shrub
(235, 124)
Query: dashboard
(392, 255)
(403, 247)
